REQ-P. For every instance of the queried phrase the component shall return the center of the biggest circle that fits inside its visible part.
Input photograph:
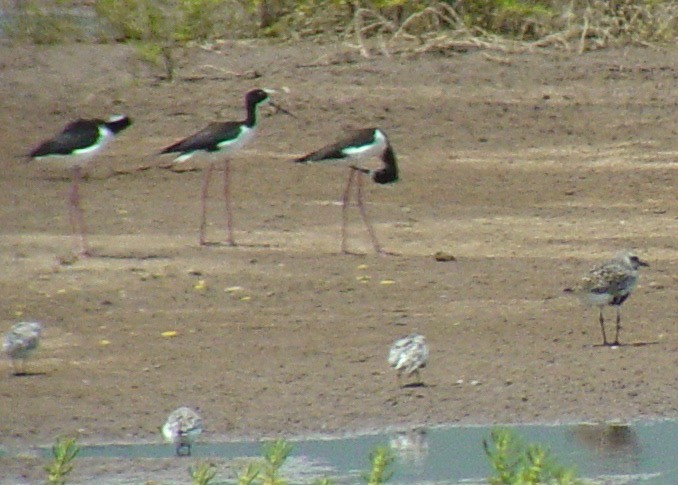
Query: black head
(636, 261)
(630, 260)
(389, 173)
(118, 123)
(255, 97)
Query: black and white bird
(73, 148)
(20, 342)
(408, 354)
(220, 140)
(610, 284)
(183, 426)
(353, 150)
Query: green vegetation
(64, 452)
(517, 464)
(41, 22)
(165, 20)
(275, 455)
(202, 473)
(381, 460)
(248, 475)
(513, 463)
(158, 27)
(513, 18)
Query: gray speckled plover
(408, 354)
(182, 428)
(610, 284)
(22, 339)
(353, 150)
(73, 148)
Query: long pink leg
(75, 212)
(203, 203)
(345, 201)
(363, 212)
(227, 200)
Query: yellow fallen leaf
(61, 291)
(386, 282)
(104, 342)
(245, 298)
(362, 266)
(200, 285)
(169, 333)
(362, 279)
(233, 289)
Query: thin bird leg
(345, 201)
(602, 326)
(75, 212)
(616, 334)
(20, 369)
(363, 212)
(25, 368)
(203, 203)
(428, 391)
(227, 201)
(15, 368)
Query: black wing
(335, 151)
(206, 139)
(76, 135)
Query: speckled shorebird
(74, 148)
(20, 342)
(353, 150)
(217, 140)
(610, 284)
(183, 426)
(408, 355)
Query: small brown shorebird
(353, 150)
(74, 148)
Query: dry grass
(576, 26)
(439, 27)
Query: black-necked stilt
(218, 139)
(74, 147)
(610, 284)
(353, 150)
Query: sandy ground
(527, 168)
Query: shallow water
(614, 453)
